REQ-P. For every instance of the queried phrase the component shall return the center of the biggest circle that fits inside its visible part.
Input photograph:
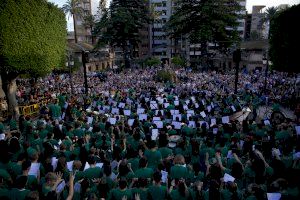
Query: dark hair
(143, 162)
(91, 160)
(214, 193)
(157, 176)
(122, 183)
(25, 165)
(182, 190)
(21, 182)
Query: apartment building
(84, 33)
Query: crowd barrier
(32, 109)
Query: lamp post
(85, 59)
(266, 62)
(236, 59)
(70, 64)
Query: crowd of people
(132, 137)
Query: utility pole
(85, 59)
(236, 60)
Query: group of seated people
(150, 143)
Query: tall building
(257, 23)
(83, 33)
(163, 47)
(159, 42)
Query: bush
(165, 76)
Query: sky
(249, 4)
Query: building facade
(83, 32)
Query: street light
(266, 62)
(70, 64)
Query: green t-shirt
(178, 171)
(154, 158)
(175, 195)
(94, 172)
(157, 192)
(144, 173)
(16, 194)
(142, 192)
(118, 194)
(4, 192)
(165, 152)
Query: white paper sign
(297, 130)
(225, 120)
(267, 122)
(166, 105)
(160, 111)
(192, 124)
(60, 187)
(177, 118)
(196, 105)
(34, 169)
(140, 111)
(54, 161)
(213, 121)
(273, 196)
(215, 131)
(192, 112)
(208, 108)
(70, 165)
(90, 120)
(153, 106)
(156, 119)
(177, 125)
(121, 105)
(203, 114)
(112, 121)
(185, 107)
(127, 112)
(142, 117)
(154, 134)
(164, 176)
(159, 124)
(115, 111)
(130, 122)
(233, 108)
(228, 178)
(176, 103)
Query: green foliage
(165, 76)
(120, 25)
(206, 21)
(285, 40)
(32, 37)
(150, 62)
(178, 61)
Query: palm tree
(269, 15)
(72, 7)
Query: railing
(32, 109)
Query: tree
(152, 62)
(120, 25)
(213, 21)
(269, 15)
(89, 22)
(32, 41)
(285, 41)
(178, 61)
(72, 7)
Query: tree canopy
(285, 40)
(206, 21)
(32, 37)
(120, 25)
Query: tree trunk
(75, 32)
(9, 87)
